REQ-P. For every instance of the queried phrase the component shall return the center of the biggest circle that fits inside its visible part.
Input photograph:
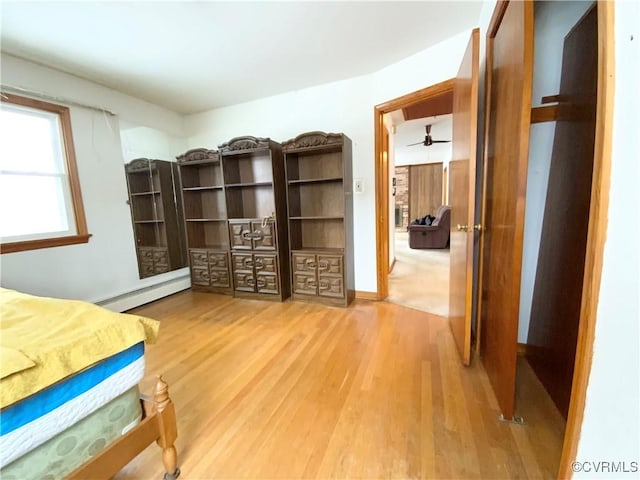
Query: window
(40, 200)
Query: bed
(70, 406)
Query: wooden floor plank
(295, 390)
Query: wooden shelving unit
(205, 216)
(320, 212)
(255, 193)
(156, 215)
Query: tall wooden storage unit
(156, 214)
(320, 208)
(255, 192)
(205, 215)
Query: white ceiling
(194, 56)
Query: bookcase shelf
(320, 213)
(156, 215)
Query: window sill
(43, 243)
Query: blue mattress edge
(50, 398)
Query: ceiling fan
(428, 141)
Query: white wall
(611, 425)
(553, 20)
(140, 141)
(106, 267)
(345, 106)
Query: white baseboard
(135, 298)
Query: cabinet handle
(258, 235)
(324, 285)
(251, 281)
(246, 235)
(323, 265)
(312, 283)
(247, 262)
(259, 263)
(261, 283)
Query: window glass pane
(32, 204)
(30, 141)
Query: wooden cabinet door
(304, 263)
(200, 276)
(330, 265)
(267, 283)
(462, 190)
(330, 286)
(243, 276)
(199, 258)
(305, 283)
(263, 237)
(265, 263)
(219, 278)
(509, 84)
(240, 234)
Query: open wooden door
(462, 196)
(508, 114)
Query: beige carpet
(420, 278)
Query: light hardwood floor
(268, 390)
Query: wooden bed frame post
(167, 428)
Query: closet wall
(553, 20)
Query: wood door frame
(597, 230)
(596, 236)
(382, 176)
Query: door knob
(462, 228)
(477, 227)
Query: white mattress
(18, 442)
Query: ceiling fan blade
(412, 144)
(440, 141)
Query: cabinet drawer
(330, 265)
(267, 283)
(200, 276)
(218, 260)
(304, 262)
(331, 287)
(305, 283)
(199, 257)
(265, 263)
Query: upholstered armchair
(435, 235)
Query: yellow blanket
(44, 340)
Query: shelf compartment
(315, 165)
(150, 234)
(250, 202)
(201, 175)
(208, 203)
(315, 180)
(254, 184)
(146, 207)
(208, 234)
(317, 234)
(316, 199)
(248, 168)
